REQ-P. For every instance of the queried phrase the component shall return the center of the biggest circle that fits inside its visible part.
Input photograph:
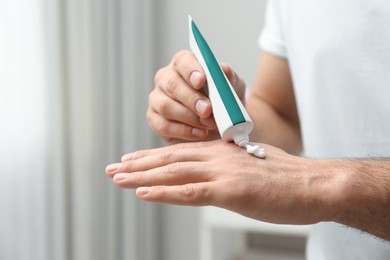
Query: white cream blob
(253, 149)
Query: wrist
(359, 195)
(326, 189)
(363, 197)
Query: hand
(281, 188)
(178, 108)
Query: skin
(283, 188)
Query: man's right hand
(178, 108)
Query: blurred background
(74, 78)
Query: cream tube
(233, 121)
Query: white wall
(232, 29)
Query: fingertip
(112, 169)
(142, 191)
(203, 108)
(197, 79)
(119, 177)
(200, 133)
(228, 71)
(127, 157)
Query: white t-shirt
(339, 57)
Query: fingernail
(201, 106)
(195, 78)
(198, 132)
(120, 176)
(209, 122)
(127, 157)
(142, 191)
(113, 167)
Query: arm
(272, 107)
(362, 187)
(282, 189)
(362, 194)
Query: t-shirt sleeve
(271, 38)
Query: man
(321, 91)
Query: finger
(191, 194)
(186, 64)
(209, 122)
(175, 111)
(142, 161)
(145, 160)
(158, 158)
(167, 151)
(237, 83)
(229, 73)
(171, 174)
(174, 86)
(168, 129)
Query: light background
(74, 80)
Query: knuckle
(167, 80)
(129, 166)
(163, 126)
(160, 74)
(149, 116)
(158, 103)
(138, 154)
(151, 104)
(179, 56)
(171, 84)
(173, 168)
(189, 192)
(191, 117)
(153, 121)
(165, 156)
(151, 97)
(195, 194)
(164, 106)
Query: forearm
(272, 105)
(360, 194)
(271, 128)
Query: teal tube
(219, 78)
